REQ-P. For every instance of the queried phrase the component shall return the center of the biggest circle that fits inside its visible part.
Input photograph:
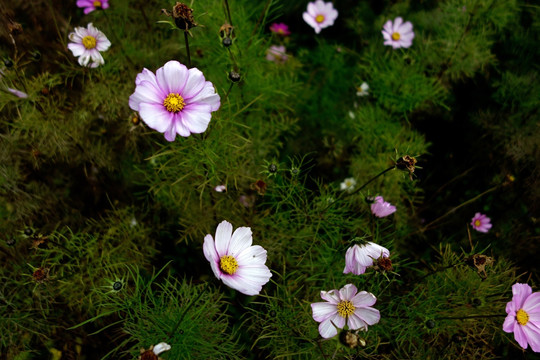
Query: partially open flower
(87, 43)
(235, 261)
(174, 100)
(91, 5)
(345, 307)
(320, 15)
(398, 34)
(381, 208)
(348, 185)
(481, 223)
(359, 257)
(276, 53)
(363, 90)
(280, 29)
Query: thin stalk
(228, 91)
(370, 180)
(193, 300)
(187, 48)
(228, 12)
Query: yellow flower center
(477, 223)
(174, 102)
(396, 36)
(345, 308)
(97, 4)
(319, 18)
(522, 317)
(228, 264)
(89, 42)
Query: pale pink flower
(481, 223)
(220, 188)
(276, 53)
(91, 5)
(18, 93)
(345, 307)
(359, 257)
(87, 43)
(175, 100)
(398, 34)
(524, 316)
(280, 29)
(381, 208)
(234, 261)
(320, 15)
(161, 347)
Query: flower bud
(226, 42)
(234, 76)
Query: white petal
(253, 255)
(323, 310)
(223, 237)
(155, 116)
(347, 292)
(172, 76)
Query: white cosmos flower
(87, 43)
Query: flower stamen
(319, 18)
(396, 36)
(89, 42)
(477, 223)
(345, 308)
(174, 102)
(522, 317)
(228, 264)
(97, 4)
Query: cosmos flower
(280, 29)
(398, 34)
(363, 90)
(481, 223)
(161, 347)
(235, 261)
(359, 257)
(91, 5)
(320, 15)
(348, 184)
(345, 307)
(175, 100)
(524, 316)
(381, 208)
(276, 54)
(87, 43)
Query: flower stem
(183, 314)
(228, 12)
(370, 180)
(187, 48)
(228, 91)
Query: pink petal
(354, 323)
(520, 292)
(196, 121)
(363, 299)
(327, 328)
(533, 337)
(397, 24)
(207, 96)
(347, 292)
(368, 315)
(509, 323)
(170, 133)
(146, 93)
(194, 84)
(331, 296)
(155, 116)
(310, 20)
(76, 49)
(405, 28)
(180, 127)
(312, 9)
(532, 303)
(211, 255)
(388, 27)
(520, 336)
(172, 76)
(323, 310)
(223, 237)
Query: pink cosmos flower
(175, 100)
(359, 257)
(91, 5)
(481, 222)
(280, 29)
(276, 54)
(320, 15)
(86, 45)
(381, 208)
(524, 316)
(234, 261)
(398, 34)
(345, 307)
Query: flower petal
(520, 292)
(223, 237)
(155, 116)
(211, 255)
(196, 121)
(368, 315)
(194, 84)
(253, 255)
(172, 76)
(323, 310)
(331, 296)
(363, 299)
(347, 292)
(327, 328)
(241, 239)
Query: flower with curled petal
(87, 44)
(174, 100)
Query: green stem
(187, 48)
(370, 180)
(228, 12)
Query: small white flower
(348, 184)
(363, 90)
(86, 45)
(161, 347)
(133, 222)
(351, 115)
(220, 188)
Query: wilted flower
(381, 208)
(235, 261)
(344, 307)
(363, 90)
(348, 184)
(280, 29)
(175, 100)
(359, 257)
(481, 223)
(86, 45)
(320, 15)
(91, 5)
(154, 351)
(276, 53)
(524, 316)
(398, 34)
(220, 188)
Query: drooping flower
(235, 261)
(359, 257)
(320, 15)
(398, 33)
(363, 90)
(524, 316)
(276, 53)
(280, 29)
(348, 185)
(91, 5)
(481, 223)
(175, 100)
(381, 208)
(87, 43)
(345, 307)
